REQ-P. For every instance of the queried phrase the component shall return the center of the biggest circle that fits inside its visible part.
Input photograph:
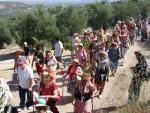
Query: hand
(30, 89)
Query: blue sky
(52, 1)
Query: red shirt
(48, 91)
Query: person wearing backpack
(102, 71)
(49, 90)
(83, 94)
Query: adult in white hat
(75, 72)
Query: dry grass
(135, 108)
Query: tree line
(42, 25)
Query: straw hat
(75, 34)
(80, 44)
(75, 60)
(85, 76)
(47, 75)
(103, 53)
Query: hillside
(8, 9)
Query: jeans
(22, 95)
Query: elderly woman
(83, 94)
(102, 71)
(141, 67)
(49, 90)
(75, 72)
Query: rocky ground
(115, 92)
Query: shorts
(113, 65)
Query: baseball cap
(22, 60)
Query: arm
(79, 72)
(30, 83)
(15, 65)
(54, 96)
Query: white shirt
(24, 76)
(58, 47)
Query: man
(58, 51)
(25, 82)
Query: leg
(22, 94)
(52, 104)
(29, 98)
(102, 84)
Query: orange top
(17, 54)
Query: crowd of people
(94, 58)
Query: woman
(125, 42)
(39, 59)
(49, 90)
(80, 53)
(115, 38)
(83, 94)
(75, 41)
(51, 64)
(141, 67)
(114, 55)
(102, 71)
(75, 72)
(17, 54)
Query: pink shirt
(75, 41)
(80, 55)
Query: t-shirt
(24, 76)
(48, 91)
(58, 48)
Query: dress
(83, 106)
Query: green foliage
(100, 14)
(71, 20)
(50, 23)
(5, 35)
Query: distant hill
(7, 9)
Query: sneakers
(20, 109)
(29, 108)
(100, 96)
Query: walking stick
(62, 72)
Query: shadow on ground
(65, 100)
(7, 56)
(105, 110)
(13, 85)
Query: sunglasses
(46, 76)
(39, 108)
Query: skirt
(82, 107)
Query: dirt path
(115, 93)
